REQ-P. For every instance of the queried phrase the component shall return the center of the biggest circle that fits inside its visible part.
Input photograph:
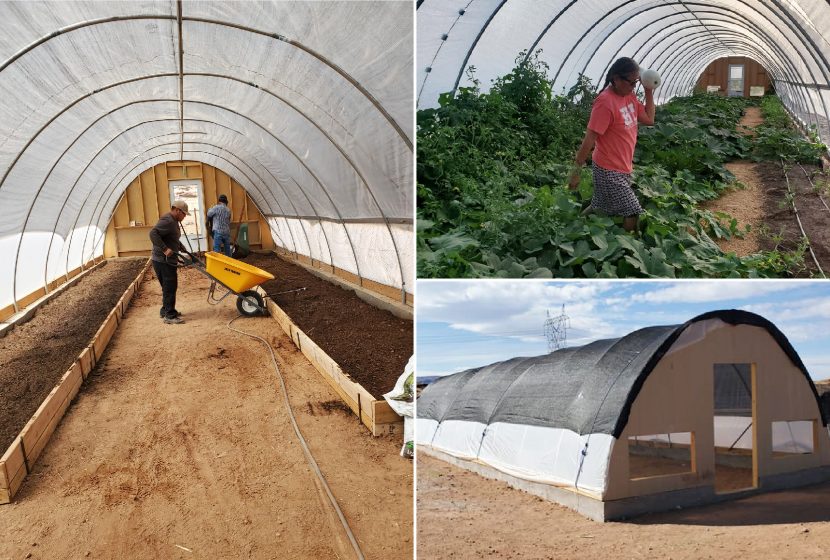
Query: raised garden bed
(362, 350)
(44, 361)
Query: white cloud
(517, 309)
(798, 310)
(818, 366)
(509, 315)
(711, 291)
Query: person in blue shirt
(220, 218)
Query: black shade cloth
(586, 389)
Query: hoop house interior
(679, 39)
(307, 105)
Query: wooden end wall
(148, 197)
(678, 397)
(717, 74)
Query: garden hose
(303, 443)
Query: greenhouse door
(736, 461)
(190, 191)
(735, 85)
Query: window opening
(657, 455)
(794, 437)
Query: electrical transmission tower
(556, 330)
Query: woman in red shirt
(613, 129)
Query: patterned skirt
(613, 193)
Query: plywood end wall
(717, 74)
(148, 197)
(678, 397)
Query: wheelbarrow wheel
(250, 303)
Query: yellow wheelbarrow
(235, 276)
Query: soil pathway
(179, 446)
(763, 206)
(744, 204)
(463, 515)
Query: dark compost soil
(35, 354)
(371, 345)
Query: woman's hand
(576, 175)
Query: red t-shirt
(614, 118)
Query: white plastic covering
(539, 454)
(549, 455)
(425, 430)
(308, 105)
(790, 38)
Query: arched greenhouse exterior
(667, 416)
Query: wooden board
(124, 302)
(86, 360)
(376, 414)
(37, 431)
(12, 471)
(104, 334)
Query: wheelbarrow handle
(182, 262)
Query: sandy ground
(179, 446)
(462, 515)
(744, 204)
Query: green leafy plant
(493, 201)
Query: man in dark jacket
(165, 237)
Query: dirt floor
(463, 515)
(35, 354)
(763, 205)
(781, 221)
(371, 345)
(179, 445)
(746, 205)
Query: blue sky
(463, 324)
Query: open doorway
(190, 190)
(734, 420)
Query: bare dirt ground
(463, 515)
(752, 118)
(179, 446)
(763, 206)
(744, 204)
